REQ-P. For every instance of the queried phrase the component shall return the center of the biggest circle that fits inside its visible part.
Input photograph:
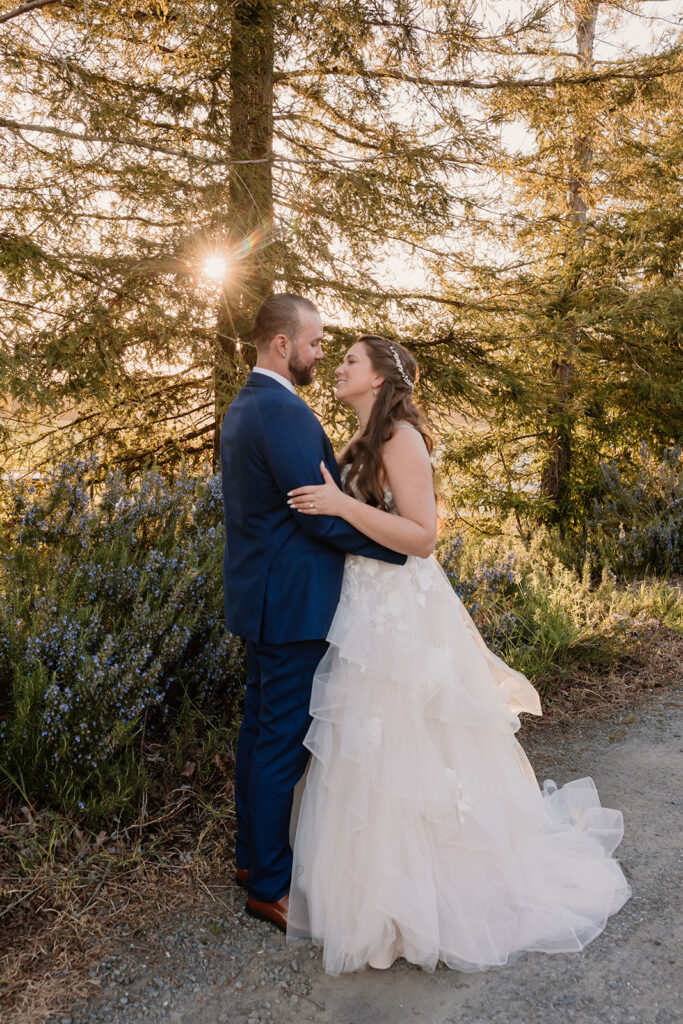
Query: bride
(422, 831)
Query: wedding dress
(422, 831)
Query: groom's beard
(301, 373)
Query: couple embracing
(422, 831)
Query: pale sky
(642, 32)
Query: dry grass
(65, 895)
(658, 663)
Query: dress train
(422, 830)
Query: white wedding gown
(422, 831)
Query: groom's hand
(324, 499)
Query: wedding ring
(311, 505)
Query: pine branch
(388, 295)
(184, 413)
(39, 309)
(473, 83)
(66, 68)
(182, 385)
(25, 8)
(322, 160)
(169, 444)
(124, 140)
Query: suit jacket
(282, 571)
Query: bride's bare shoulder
(406, 441)
(404, 435)
(405, 425)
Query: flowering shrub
(637, 525)
(111, 626)
(111, 619)
(546, 619)
(487, 590)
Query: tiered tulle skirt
(422, 831)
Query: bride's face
(356, 377)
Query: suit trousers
(271, 758)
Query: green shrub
(548, 620)
(637, 524)
(111, 624)
(112, 636)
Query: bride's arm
(409, 477)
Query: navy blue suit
(282, 576)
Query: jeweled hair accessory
(399, 367)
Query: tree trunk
(250, 276)
(555, 483)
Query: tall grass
(547, 619)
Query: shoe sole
(264, 917)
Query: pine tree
(301, 143)
(308, 146)
(586, 293)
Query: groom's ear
(279, 344)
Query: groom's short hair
(279, 314)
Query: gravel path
(214, 965)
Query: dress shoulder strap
(402, 425)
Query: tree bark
(250, 275)
(556, 478)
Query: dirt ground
(213, 965)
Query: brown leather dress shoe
(276, 913)
(242, 877)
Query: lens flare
(257, 239)
(215, 266)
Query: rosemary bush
(637, 524)
(112, 636)
(111, 626)
(546, 619)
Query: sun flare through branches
(215, 266)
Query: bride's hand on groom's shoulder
(324, 499)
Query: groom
(282, 576)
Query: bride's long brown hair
(393, 404)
